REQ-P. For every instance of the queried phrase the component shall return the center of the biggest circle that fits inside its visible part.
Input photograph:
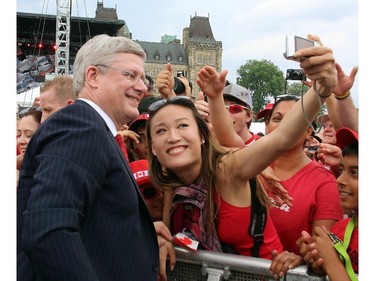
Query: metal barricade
(212, 266)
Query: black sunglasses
(156, 105)
(148, 192)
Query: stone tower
(201, 47)
(198, 48)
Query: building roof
(176, 52)
(105, 13)
(200, 30)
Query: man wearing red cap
(137, 147)
(265, 114)
(153, 196)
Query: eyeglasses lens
(234, 108)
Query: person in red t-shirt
(313, 188)
(318, 251)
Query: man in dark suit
(80, 213)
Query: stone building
(198, 48)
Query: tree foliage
(264, 79)
(296, 88)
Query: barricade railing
(213, 266)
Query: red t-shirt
(315, 197)
(233, 224)
(252, 139)
(339, 230)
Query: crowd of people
(113, 165)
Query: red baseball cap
(345, 136)
(140, 171)
(142, 118)
(265, 110)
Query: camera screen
(302, 43)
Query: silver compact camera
(293, 43)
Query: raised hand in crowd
(202, 107)
(165, 82)
(340, 105)
(344, 82)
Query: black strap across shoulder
(258, 219)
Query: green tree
(296, 88)
(264, 79)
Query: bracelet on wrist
(317, 92)
(347, 94)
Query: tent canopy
(26, 99)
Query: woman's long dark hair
(211, 154)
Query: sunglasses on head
(148, 192)
(286, 97)
(29, 109)
(235, 108)
(156, 105)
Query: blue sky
(248, 30)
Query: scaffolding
(63, 15)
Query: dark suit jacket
(80, 213)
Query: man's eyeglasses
(156, 105)
(131, 76)
(148, 192)
(235, 108)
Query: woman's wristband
(347, 94)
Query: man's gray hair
(101, 49)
